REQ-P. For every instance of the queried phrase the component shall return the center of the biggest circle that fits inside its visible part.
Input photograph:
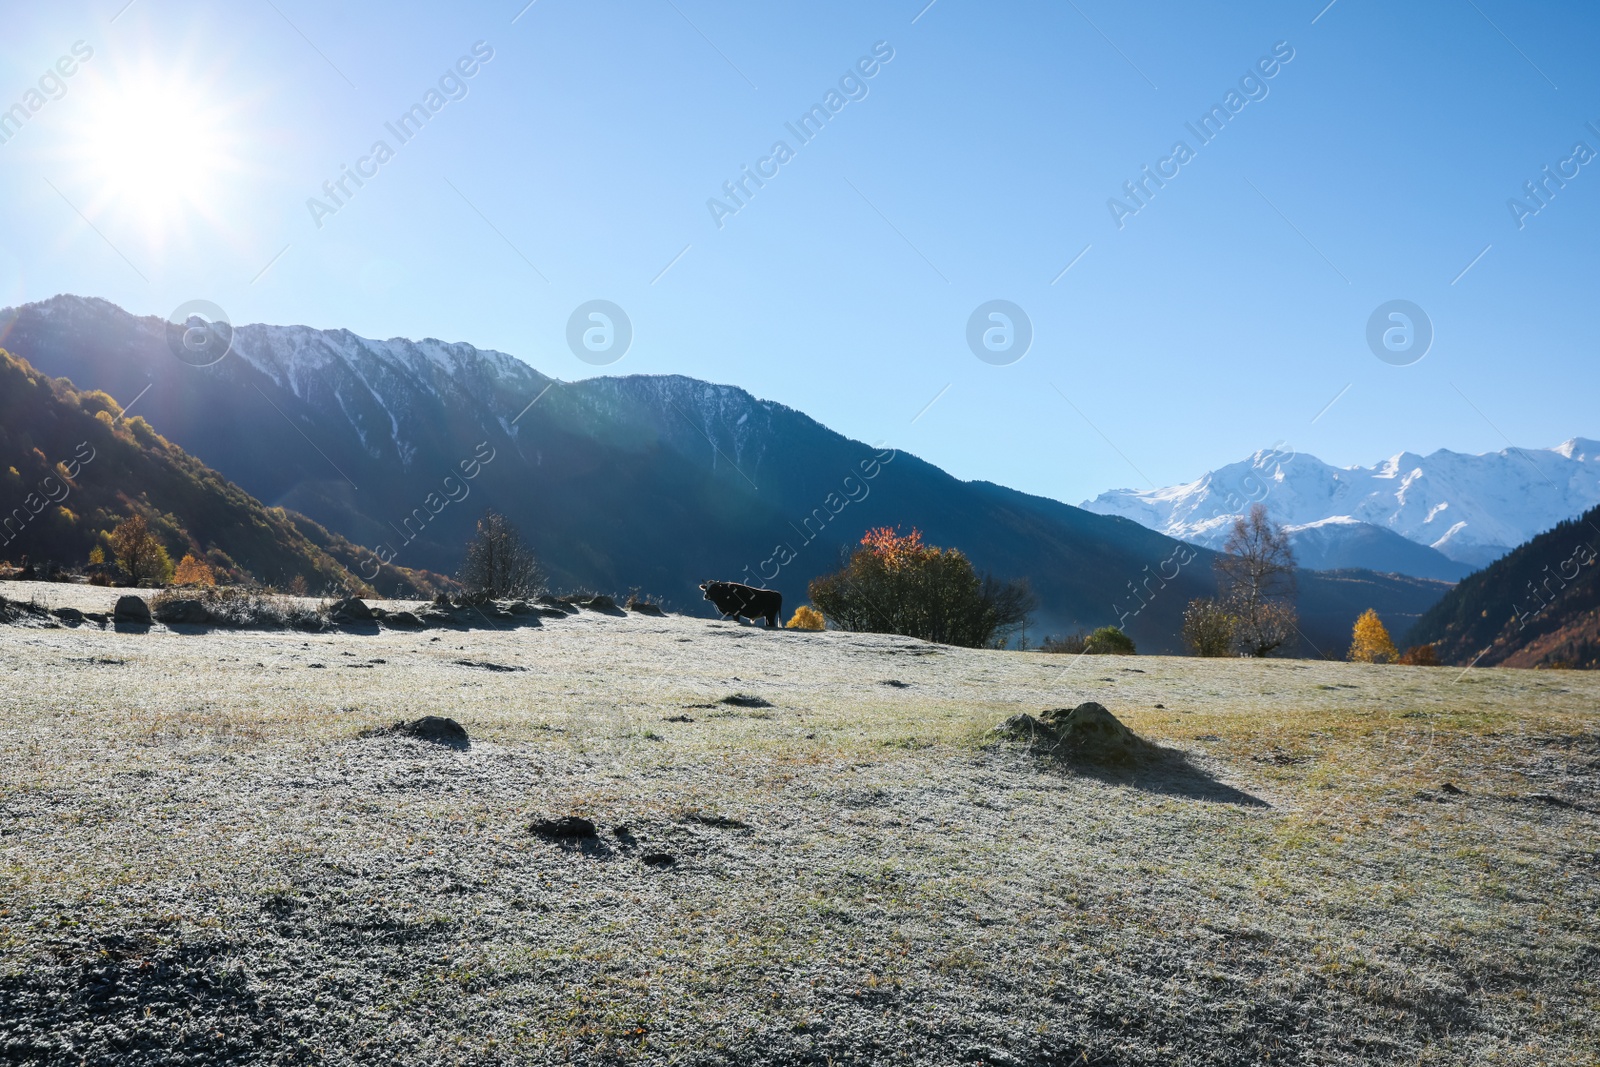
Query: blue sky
(977, 163)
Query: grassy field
(203, 860)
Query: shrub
(1420, 656)
(806, 617)
(638, 601)
(1109, 641)
(1066, 645)
(896, 584)
(242, 609)
(1209, 628)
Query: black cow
(734, 601)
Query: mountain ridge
(654, 481)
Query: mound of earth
(1087, 732)
(435, 729)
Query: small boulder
(601, 602)
(403, 620)
(131, 609)
(1094, 734)
(71, 616)
(350, 609)
(188, 612)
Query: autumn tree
(193, 571)
(806, 618)
(1370, 641)
(499, 564)
(1420, 656)
(1255, 574)
(895, 583)
(139, 554)
(1209, 628)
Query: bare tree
(1255, 575)
(499, 565)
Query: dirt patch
(485, 665)
(565, 828)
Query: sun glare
(156, 148)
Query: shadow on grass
(1153, 769)
(1166, 771)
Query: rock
(403, 620)
(520, 607)
(189, 612)
(435, 729)
(1092, 733)
(131, 609)
(601, 602)
(1026, 728)
(677, 718)
(566, 828)
(350, 609)
(644, 607)
(71, 615)
(1452, 789)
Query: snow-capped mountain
(1465, 508)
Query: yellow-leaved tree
(1370, 642)
(806, 617)
(193, 571)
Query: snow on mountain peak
(1472, 508)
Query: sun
(156, 148)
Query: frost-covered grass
(199, 853)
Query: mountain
(656, 482)
(1340, 543)
(1466, 509)
(74, 465)
(1538, 606)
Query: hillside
(658, 482)
(72, 466)
(1539, 606)
(204, 854)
